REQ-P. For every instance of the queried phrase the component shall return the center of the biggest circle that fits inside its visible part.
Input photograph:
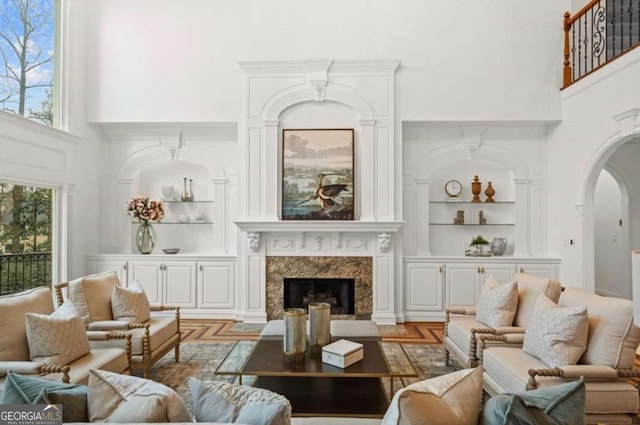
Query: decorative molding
(366, 122)
(254, 241)
(627, 120)
(301, 240)
(318, 226)
(472, 140)
(169, 132)
(579, 210)
(384, 241)
(356, 245)
(338, 240)
(319, 242)
(279, 244)
(271, 123)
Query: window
(27, 55)
(26, 233)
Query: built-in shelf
(180, 222)
(187, 202)
(471, 203)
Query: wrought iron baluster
(613, 29)
(621, 26)
(579, 47)
(630, 10)
(573, 52)
(586, 45)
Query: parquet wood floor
(203, 330)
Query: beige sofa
(462, 329)
(14, 347)
(606, 364)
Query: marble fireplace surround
(359, 268)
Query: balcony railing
(600, 32)
(19, 272)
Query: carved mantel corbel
(384, 241)
(254, 241)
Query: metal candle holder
(295, 333)
(319, 326)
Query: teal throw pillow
(20, 389)
(562, 404)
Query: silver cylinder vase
(319, 326)
(295, 332)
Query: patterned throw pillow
(129, 399)
(454, 398)
(130, 304)
(556, 335)
(58, 338)
(215, 401)
(498, 303)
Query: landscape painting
(317, 174)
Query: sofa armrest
(108, 325)
(34, 368)
(113, 335)
(509, 330)
(589, 372)
(467, 311)
(486, 340)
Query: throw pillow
(215, 401)
(91, 296)
(556, 335)
(132, 399)
(562, 404)
(20, 389)
(498, 303)
(58, 338)
(130, 304)
(456, 397)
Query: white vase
(167, 192)
(498, 246)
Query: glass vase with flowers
(145, 211)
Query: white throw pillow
(216, 401)
(58, 338)
(455, 398)
(556, 335)
(130, 304)
(123, 398)
(498, 303)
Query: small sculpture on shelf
(481, 218)
(476, 189)
(490, 191)
(459, 218)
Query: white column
(366, 166)
(219, 215)
(383, 283)
(522, 223)
(271, 181)
(422, 218)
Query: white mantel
(321, 93)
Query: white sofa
(606, 364)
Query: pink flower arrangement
(144, 210)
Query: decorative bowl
(171, 250)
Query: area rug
(200, 360)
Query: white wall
(609, 264)
(177, 60)
(578, 148)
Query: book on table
(342, 353)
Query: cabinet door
(149, 275)
(546, 270)
(462, 281)
(423, 289)
(216, 284)
(102, 266)
(503, 273)
(180, 283)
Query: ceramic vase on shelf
(490, 191)
(167, 192)
(145, 237)
(498, 246)
(476, 189)
(191, 189)
(185, 193)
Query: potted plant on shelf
(478, 243)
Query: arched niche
(510, 178)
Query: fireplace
(339, 293)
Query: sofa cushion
(459, 331)
(456, 397)
(161, 328)
(56, 339)
(91, 295)
(13, 338)
(216, 401)
(130, 304)
(529, 287)
(19, 389)
(111, 393)
(498, 303)
(556, 335)
(109, 359)
(562, 404)
(613, 337)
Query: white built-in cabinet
(434, 283)
(201, 286)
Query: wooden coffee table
(319, 389)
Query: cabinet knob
(521, 270)
(440, 269)
(201, 268)
(125, 266)
(479, 270)
(482, 269)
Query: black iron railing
(600, 32)
(19, 272)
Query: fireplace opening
(338, 292)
